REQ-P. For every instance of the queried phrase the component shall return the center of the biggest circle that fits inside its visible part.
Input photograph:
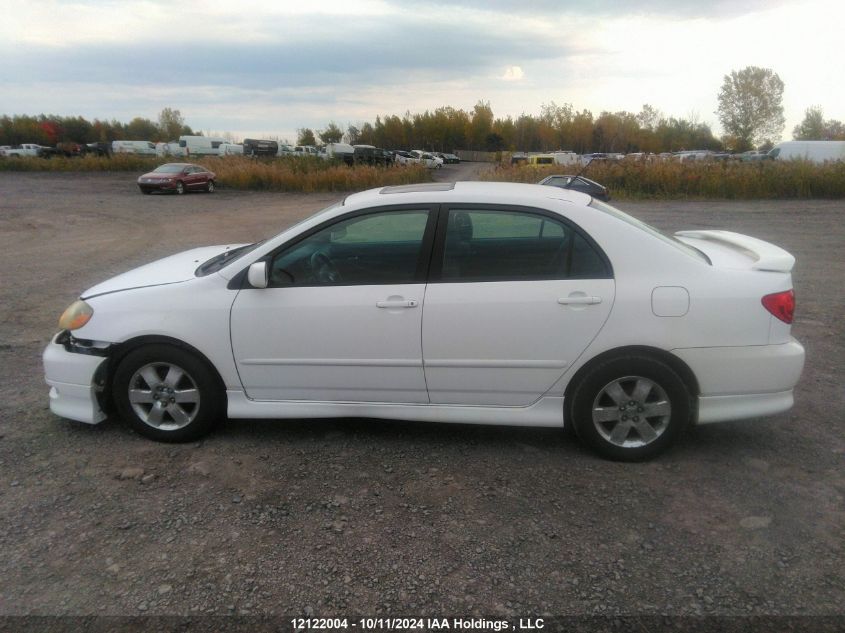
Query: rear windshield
(689, 250)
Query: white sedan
(487, 303)
(427, 160)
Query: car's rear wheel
(167, 394)
(630, 408)
(180, 187)
(209, 186)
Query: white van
(340, 151)
(133, 147)
(565, 158)
(170, 149)
(305, 150)
(230, 149)
(815, 151)
(201, 145)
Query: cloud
(513, 73)
(339, 53)
(278, 65)
(606, 8)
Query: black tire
(209, 186)
(202, 402)
(180, 188)
(145, 191)
(596, 413)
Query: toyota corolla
(484, 303)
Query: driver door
(341, 320)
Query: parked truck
(27, 149)
(260, 147)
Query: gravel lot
(372, 517)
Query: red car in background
(178, 177)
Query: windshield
(689, 250)
(218, 262)
(169, 169)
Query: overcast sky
(269, 68)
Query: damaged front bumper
(75, 370)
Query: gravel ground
(372, 517)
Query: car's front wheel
(167, 394)
(180, 187)
(630, 408)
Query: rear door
(515, 297)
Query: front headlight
(77, 314)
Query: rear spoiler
(766, 256)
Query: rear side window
(493, 245)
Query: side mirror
(258, 275)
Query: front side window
(377, 248)
(492, 245)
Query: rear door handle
(579, 300)
(399, 303)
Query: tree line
(556, 127)
(47, 129)
(750, 110)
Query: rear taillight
(781, 304)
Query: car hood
(170, 270)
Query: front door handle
(579, 300)
(398, 303)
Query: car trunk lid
(735, 250)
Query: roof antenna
(583, 169)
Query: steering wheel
(324, 269)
